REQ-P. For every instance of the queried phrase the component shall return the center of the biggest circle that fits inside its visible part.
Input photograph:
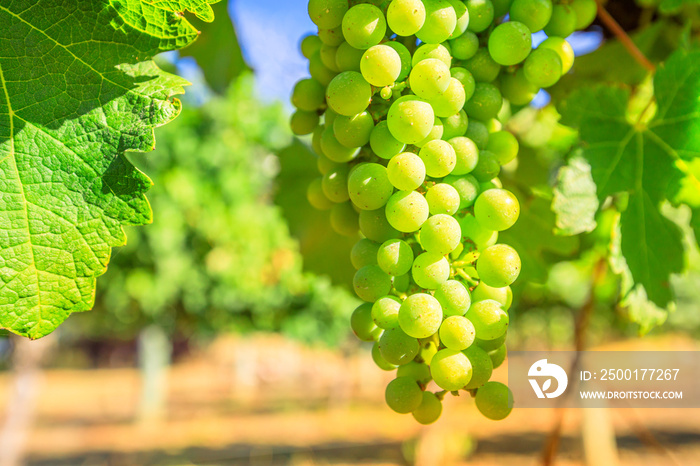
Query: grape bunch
(409, 152)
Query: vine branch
(625, 39)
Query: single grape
(348, 93)
(462, 14)
(563, 21)
(465, 46)
(335, 184)
(535, 14)
(485, 103)
(344, 220)
(429, 78)
(348, 58)
(395, 257)
(439, 158)
(316, 141)
(479, 133)
(383, 143)
(405, 17)
(381, 65)
(510, 43)
(465, 77)
(457, 333)
(497, 209)
(411, 119)
(442, 199)
(440, 234)
(455, 126)
(353, 131)
(498, 356)
(466, 153)
(451, 369)
(332, 37)
(440, 22)
(319, 71)
(328, 55)
(437, 51)
(362, 324)
(504, 146)
(429, 409)
(480, 14)
(406, 171)
(334, 150)
(327, 13)
(454, 298)
(375, 226)
(415, 370)
(371, 283)
(406, 211)
(403, 395)
(402, 283)
(517, 89)
(466, 186)
(503, 295)
(308, 95)
(474, 233)
(396, 347)
(405, 56)
(385, 312)
(563, 49)
(369, 186)
(494, 400)
(379, 360)
(316, 196)
(364, 25)
(430, 270)
(482, 366)
(489, 319)
(586, 12)
(498, 265)
(303, 123)
(310, 45)
(482, 66)
(363, 253)
(435, 133)
(501, 7)
(487, 168)
(451, 100)
(490, 345)
(420, 315)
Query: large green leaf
(644, 160)
(78, 89)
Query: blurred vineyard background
(220, 334)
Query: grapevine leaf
(643, 160)
(575, 202)
(78, 89)
(670, 6)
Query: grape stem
(625, 39)
(466, 277)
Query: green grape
(482, 366)
(473, 232)
(451, 369)
(310, 45)
(405, 17)
(494, 400)
(465, 77)
(375, 226)
(430, 270)
(363, 253)
(503, 295)
(362, 324)
(482, 67)
(467, 187)
(308, 95)
(480, 14)
(379, 360)
(455, 126)
(498, 356)
(348, 93)
(479, 133)
(332, 37)
(586, 12)
(427, 351)
(348, 58)
(535, 14)
(334, 150)
(383, 143)
(442, 199)
(462, 15)
(491, 184)
(563, 49)
(465, 46)
(406, 211)
(319, 71)
(436, 51)
(429, 409)
(504, 146)
(353, 131)
(517, 89)
(490, 345)
(328, 55)
(451, 101)
(498, 265)
(439, 158)
(489, 319)
(420, 315)
(405, 56)
(335, 184)
(487, 168)
(369, 186)
(435, 133)
(466, 153)
(371, 283)
(510, 43)
(329, 117)
(364, 25)
(440, 22)
(429, 78)
(316, 197)
(327, 13)
(316, 141)
(440, 234)
(563, 21)
(406, 171)
(457, 333)
(381, 65)
(415, 370)
(385, 312)
(398, 348)
(454, 298)
(485, 103)
(497, 209)
(395, 257)
(344, 219)
(303, 123)
(403, 395)
(501, 7)
(411, 119)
